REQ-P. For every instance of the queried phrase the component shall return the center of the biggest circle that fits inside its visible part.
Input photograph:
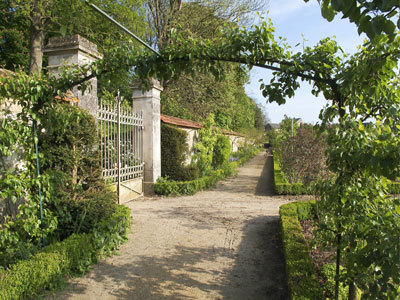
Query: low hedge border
(394, 187)
(300, 271)
(74, 255)
(166, 187)
(282, 187)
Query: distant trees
(194, 96)
(44, 18)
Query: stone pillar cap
(150, 83)
(72, 42)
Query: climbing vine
(360, 87)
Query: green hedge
(394, 187)
(174, 150)
(74, 255)
(282, 187)
(168, 187)
(300, 271)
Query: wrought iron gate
(121, 134)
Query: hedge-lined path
(219, 244)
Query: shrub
(222, 151)
(174, 149)
(283, 187)
(80, 198)
(394, 187)
(204, 147)
(167, 187)
(68, 137)
(302, 157)
(328, 272)
(74, 255)
(300, 271)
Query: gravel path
(219, 244)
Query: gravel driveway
(219, 244)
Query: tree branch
(264, 66)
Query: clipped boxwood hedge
(282, 187)
(174, 150)
(394, 187)
(168, 187)
(74, 255)
(300, 271)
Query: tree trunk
(352, 291)
(36, 39)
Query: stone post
(78, 51)
(149, 103)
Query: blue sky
(291, 19)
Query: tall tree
(162, 14)
(14, 38)
(194, 96)
(51, 17)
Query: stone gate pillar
(78, 51)
(149, 103)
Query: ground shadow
(258, 272)
(265, 184)
(259, 259)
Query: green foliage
(227, 100)
(79, 195)
(167, 187)
(74, 255)
(19, 250)
(194, 96)
(376, 18)
(204, 148)
(394, 188)
(111, 232)
(369, 223)
(68, 137)
(222, 151)
(74, 195)
(328, 272)
(292, 213)
(300, 271)
(302, 157)
(174, 149)
(20, 184)
(283, 187)
(14, 38)
(306, 210)
(361, 86)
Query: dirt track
(219, 244)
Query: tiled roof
(191, 124)
(180, 122)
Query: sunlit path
(219, 244)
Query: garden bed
(310, 273)
(27, 278)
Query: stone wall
(191, 128)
